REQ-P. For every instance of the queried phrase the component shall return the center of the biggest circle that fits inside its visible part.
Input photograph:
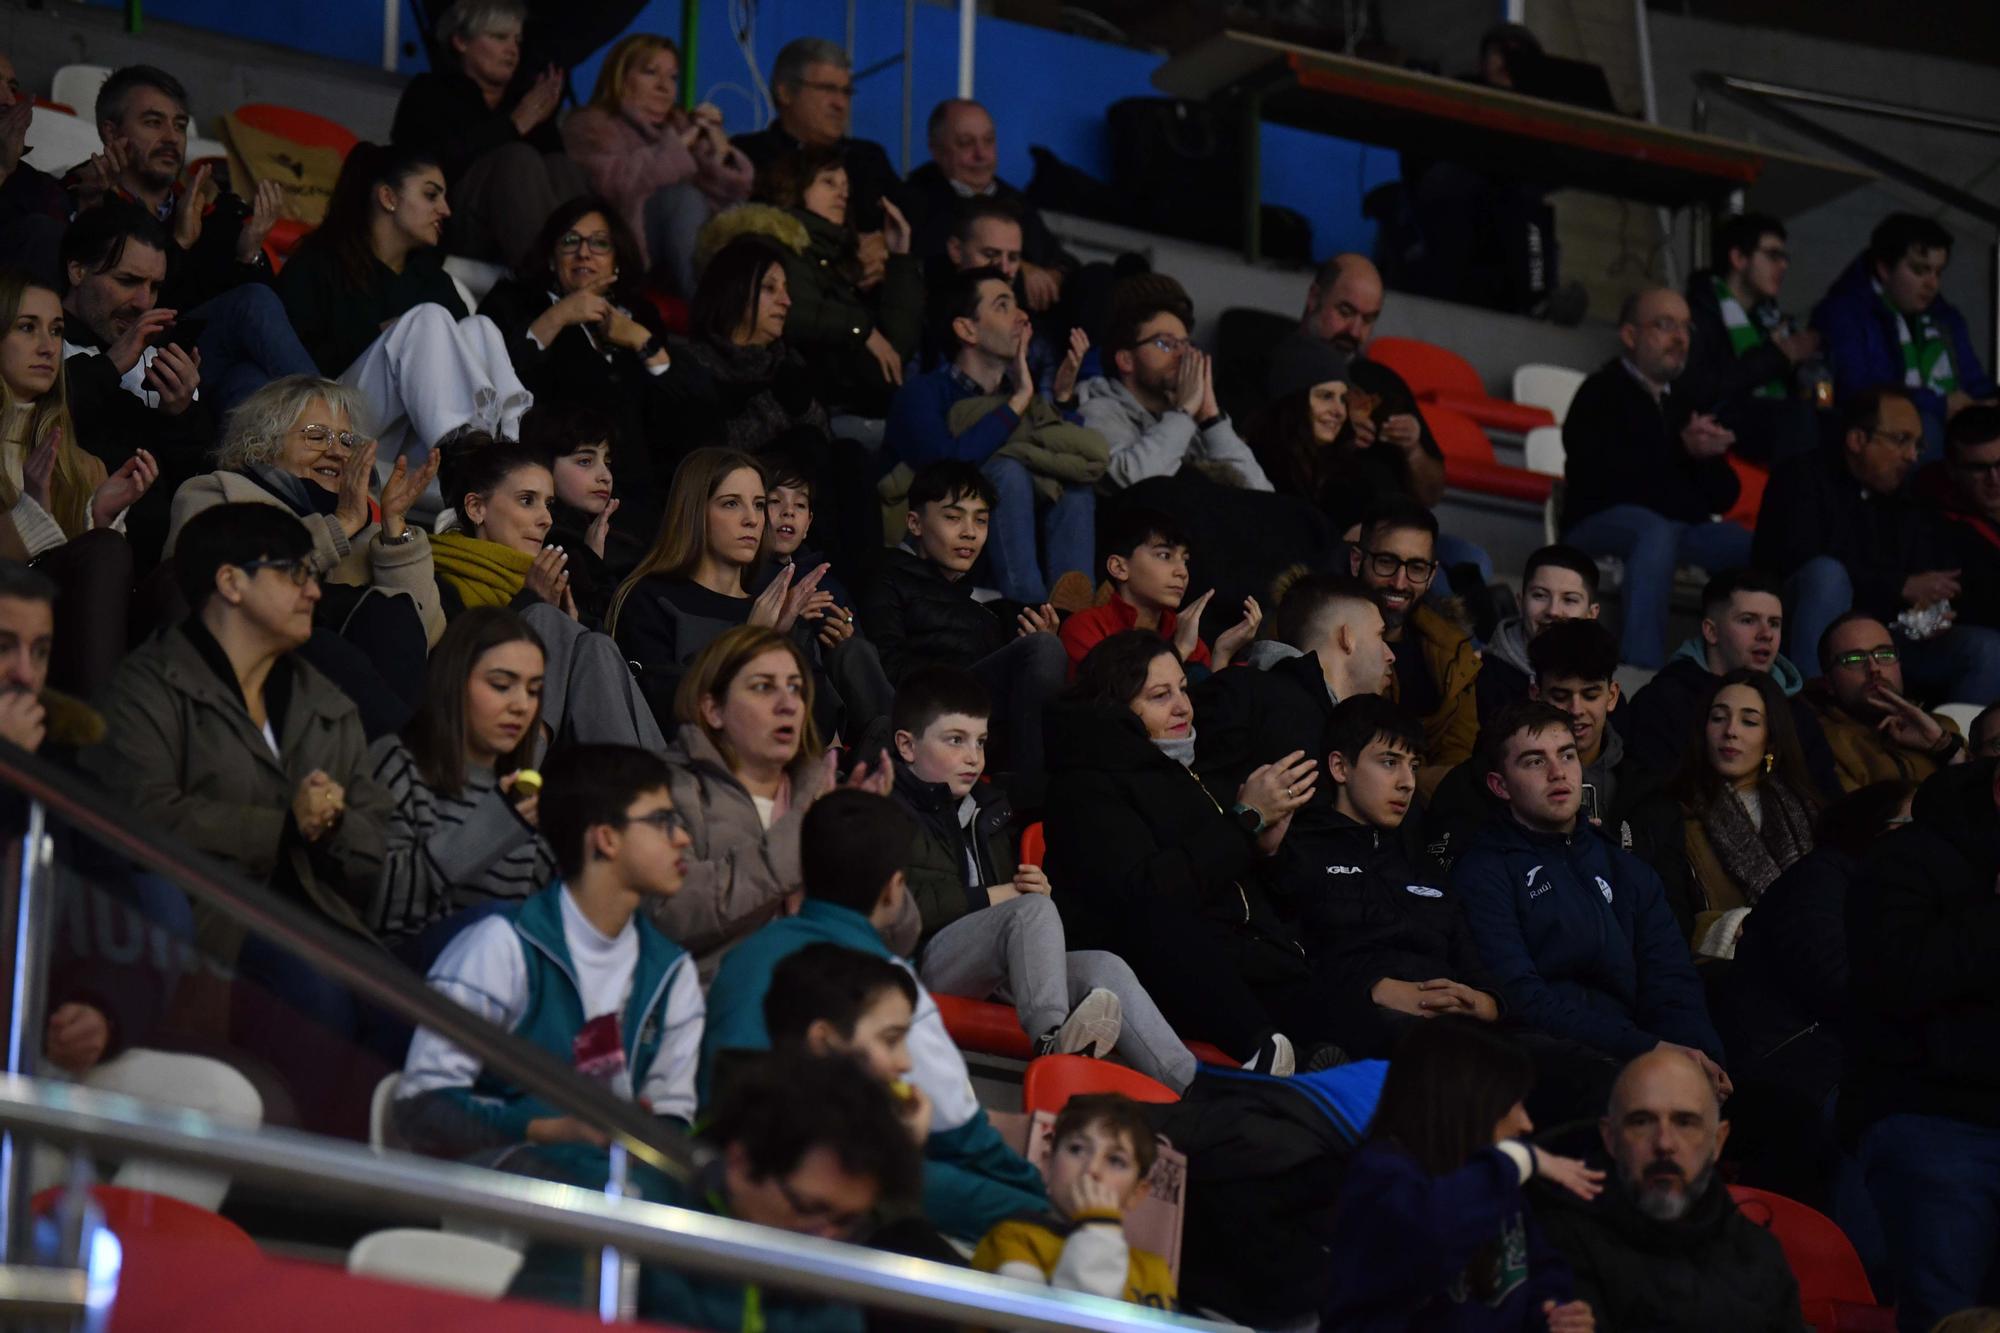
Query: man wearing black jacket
(964, 165)
(1744, 352)
(1387, 942)
(1838, 527)
(1921, 1094)
(1646, 471)
(812, 82)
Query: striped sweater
(447, 853)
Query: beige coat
(362, 561)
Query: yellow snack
(902, 1091)
(527, 782)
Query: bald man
(965, 164)
(1646, 471)
(1664, 1248)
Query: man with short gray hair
(812, 83)
(1664, 1246)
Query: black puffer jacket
(1712, 1269)
(1250, 717)
(917, 617)
(1923, 931)
(1370, 905)
(941, 876)
(1132, 834)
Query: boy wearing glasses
(1436, 672)
(1875, 732)
(577, 969)
(1744, 349)
(1157, 407)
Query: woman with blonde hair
(695, 584)
(666, 170)
(747, 763)
(59, 506)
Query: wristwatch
(651, 348)
(409, 535)
(1248, 818)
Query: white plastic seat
(1963, 714)
(1543, 451)
(1541, 385)
(58, 142)
(464, 1264)
(75, 86)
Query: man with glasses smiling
(1839, 529)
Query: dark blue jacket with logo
(1581, 938)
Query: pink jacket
(626, 164)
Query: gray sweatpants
(1016, 951)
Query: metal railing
(67, 1114)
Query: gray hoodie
(1510, 644)
(1144, 446)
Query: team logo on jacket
(1603, 887)
(1423, 890)
(1532, 872)
(1343, 870)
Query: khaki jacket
(362, 561)
(1452, 731)
(1862, 755)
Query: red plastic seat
(675, 314)
(1754, 477)
(986, 1028)
(1034, 844)
(1054, 1079)
(1469, 462)
(1439, 375)
(1834, 1292)
(136, 1217)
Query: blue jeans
(1652, 547)
(1962, 664)
(248, 343)
(1068, 532)
(1936, 1183)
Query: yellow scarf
(483, 573)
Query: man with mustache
(1664, 1246)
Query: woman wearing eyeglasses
(665, 170)
(747, 763)
(1748, 802)
(294, 444)
(580, 336)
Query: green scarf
(483, 573)
(1745, 335)
(1926, 353)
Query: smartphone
(1589, 810)
(182, 333)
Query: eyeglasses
(1884, 656)
(812, 1210)
(1667, 324)
(1384, 565)
(571, 242)
(1167, 342)
(300, 569)
(665, 821)
(821, 86)
(325, 435)
(1900, 440)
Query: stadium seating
(1538, 384)
(439, 1259)
(1834, 1291)
(1054, 1079)
(1438, 375)
(985, 1028)
(1469, 461)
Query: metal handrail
(1866, 106)
(725, 1247)
(361, 967)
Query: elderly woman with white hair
(491, 125)
(298, 443)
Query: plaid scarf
(1926, 353)
(1747, 333)
(1754, 856)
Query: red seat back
(1426, 367)
(1034, 844)
(1822, 1258)
(1754, 478)
(1458, 436)
(135, 1217)
(1054, 1079)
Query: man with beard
(1875, 732)
(1664, 1247)
(1646, 471)
(1437, 668)
(1157, 407)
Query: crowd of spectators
(680, 695)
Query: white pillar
(968, 14)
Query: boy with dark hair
(920, 610)
(1559, 583)
(1576, 930)
(990, 923)
(578, 969)
(853, 848)
(1102, 1149)
(830, 1000)
(1146, 562)
(1437, 668)
(1388, 944)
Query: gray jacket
(1145, 446)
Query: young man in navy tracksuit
(1577, 930)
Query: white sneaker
(1091, 1029)
(1274, 1057)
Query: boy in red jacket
(1146, 562)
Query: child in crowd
(577, 443)
(853, 848)
(1146, 561)
(1097, 1170)
(921, 612)
(990, 924)
(788, 508)
(830, 1000)
(577, 969)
